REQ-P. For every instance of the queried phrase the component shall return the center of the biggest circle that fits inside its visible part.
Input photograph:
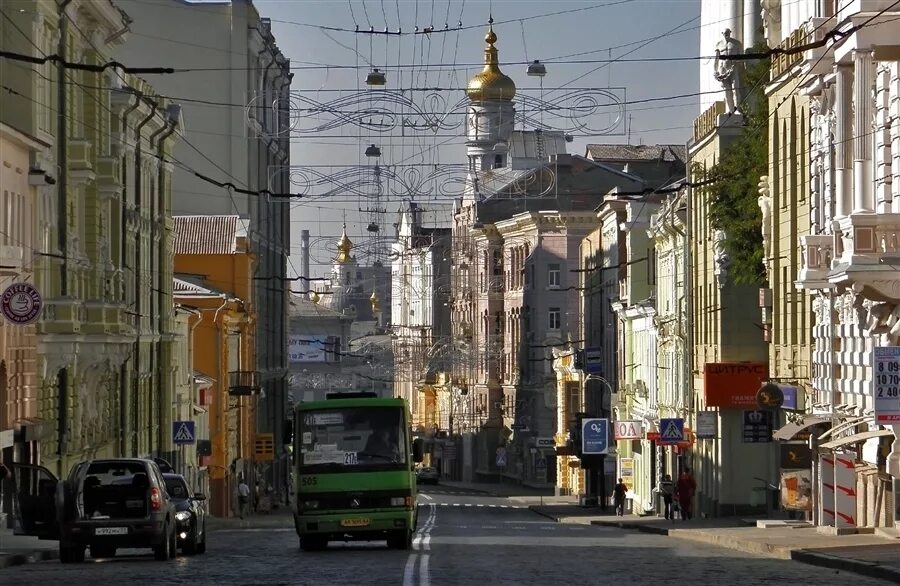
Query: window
(553, 275)
(555, 318)
(498, 161)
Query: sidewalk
(869, 555)
(280, 518)
(501, 490)
(16, 550)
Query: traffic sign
(594, 436)
(501, 457)
(671, 431)
(593, 360)
(183, 433)
(887, 384)
(545, 442)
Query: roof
(207, 234)
(182, 288)
(301, 306)
(629, 152)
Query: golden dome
(344, 247)
(375, 300)
(491, 83)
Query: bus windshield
(352, 439)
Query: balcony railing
(243, 382)
(817, 251)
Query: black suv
(103, 504)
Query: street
(464, 538)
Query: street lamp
(376, 78)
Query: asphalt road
(464, 538)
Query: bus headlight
(310, 504)
(401, 501)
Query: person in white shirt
(243, 497)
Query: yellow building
(215, 272)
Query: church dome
(344, 247)
(491, 84)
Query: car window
(177, 488)
(116, 474)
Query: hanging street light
(376, 77)
(537, 69)
(373, 151)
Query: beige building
(730, 359)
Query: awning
(858, 437)
(791, 429)
(846, 424)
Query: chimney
(304, 260)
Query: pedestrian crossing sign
(671, 431)
(183, 432)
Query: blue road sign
(593, 360)
(671, 431)
(594, 435)
(183, 432)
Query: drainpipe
(123, 261)
(220, 416)
(158, 138)
(138, 289)
(62, 221)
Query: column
(843, 173)
(863, 186)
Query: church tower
(490, 118)
(343, 272)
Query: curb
(20, 559)
(860, 567)
(643, 528)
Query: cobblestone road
(464, 538)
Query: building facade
(243, 65)
(101, 234)
(215, 270)
(420, 316)
(848, 269)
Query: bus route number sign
(887, 384)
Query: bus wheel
(313, 543)
(401, 539)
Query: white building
(850, 258)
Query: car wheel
(71, 554)
(400, 539)
(201, 547)
(173, 544)
(161, 550)
(102, 551)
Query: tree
(734, 179)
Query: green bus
(354, 471)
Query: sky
(573, 39)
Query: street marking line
(424, 577)
(468, 504)
(426, 497)
(409, 570)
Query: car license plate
(354, 523)
(111, 531)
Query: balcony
(81, 167)
(11, 260)
(817, 251)
(867, 254)
(243, 382)
(62, 316)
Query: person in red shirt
(684, 492)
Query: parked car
(190, 515)
(102, 504)
(427, 475)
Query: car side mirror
(418, 450)
(199, 496)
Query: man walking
(619, 497)
(667, 490)
(243, 497)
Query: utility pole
(62, 224)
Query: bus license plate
(354, 523)
(111, 531)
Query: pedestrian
(619, 497)
(667, 490)
(684, 492)
(243, 497)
